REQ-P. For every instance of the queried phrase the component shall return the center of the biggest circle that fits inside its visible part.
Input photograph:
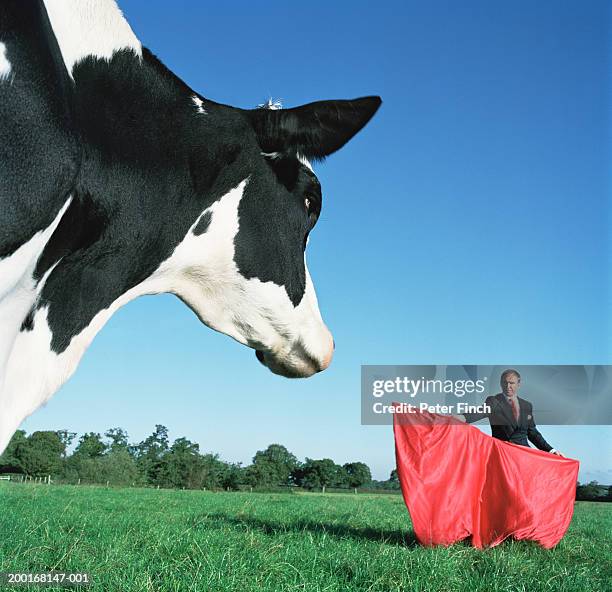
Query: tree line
(112, 459)
(594, 492)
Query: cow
(119, 180)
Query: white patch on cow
(18, 290)
(300, 157)
(20, 264)
(90, 27)
(201, 270)
(18, 293)
(5, 65)
(199, 103)
(34, 372)
(305, 162)
(271, 104)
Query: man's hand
(555, 452)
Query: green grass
(144, 539)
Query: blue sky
(468, 223)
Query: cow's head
(243, 268)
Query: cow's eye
(312, 205)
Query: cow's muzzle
(298, 362)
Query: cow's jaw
(303, 352)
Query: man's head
(510, 382)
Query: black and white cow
(117, 180)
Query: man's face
(510, 385)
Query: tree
(321, 473)
(182, 466)
(214, 471)
(149, 453)
(272, 466)
(9, 461)
(41, 453)
(87, 461)
(591, 491)
(66, 437)
(118, 467)
(358, 474)
(341, 477)
(90, 446)
(118, 439)
(393, 482)
(259, 475)
(79, 467)
(232, 476)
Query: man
(511, 417)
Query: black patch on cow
(82, 224)
(28, 321)
(286, 168)
(39, 151)
(271, 246)
(204, 167)
(203, 223)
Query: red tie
(515, 407)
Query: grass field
(145, 539)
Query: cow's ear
(314, 130)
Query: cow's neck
(46, 298)
(89, 28)
(148, 150)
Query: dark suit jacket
(505, 427)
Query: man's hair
(508, 372)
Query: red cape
(458, 482)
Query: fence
(289, 489)
(18, 478)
